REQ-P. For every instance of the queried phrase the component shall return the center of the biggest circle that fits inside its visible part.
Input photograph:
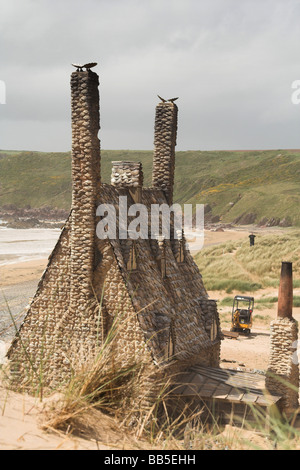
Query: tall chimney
(285, 294)
(165, 133)
(85, 180)
(283, 371)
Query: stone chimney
(283, 371)
(285, 294)
(165, 133)
(128, 175)
(85, 180)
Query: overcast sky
(231, 62)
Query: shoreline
(15, 270)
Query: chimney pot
(128, 175)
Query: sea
(18, 245)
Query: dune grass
(235, 266)
(106, 400)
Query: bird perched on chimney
(171, 100)
(88, 66)
(162, 99)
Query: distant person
(252, 237)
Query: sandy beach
(26, 271)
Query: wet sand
(26, 271)
(18, 283)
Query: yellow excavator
(242, 311)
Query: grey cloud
(230, 62)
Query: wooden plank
(185, 380)
(178, 389)
(235, 395)
(268, 400)
(248, 378)
(187, 377)
(199, 379)
(222, 391)
(247, 383)
(249, 398)
(191, 390)
(208, 389)
(241, 380)
(243, 385)
(245, 388)
(217, 374)
(225, 384)
(232, 380)
(248, 375)
(230, 334)
(238, 381)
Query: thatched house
(152, 284)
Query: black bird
(171, 100)
(79, 67)
(88, 66)
(162, 99)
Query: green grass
(265, 183)
(237, 266)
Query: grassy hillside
(237, 266)
(39, 178)
(266, 184)
(261, 183)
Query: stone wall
(165, 132)
(55, 340)
(39, 353)
(283, 370)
